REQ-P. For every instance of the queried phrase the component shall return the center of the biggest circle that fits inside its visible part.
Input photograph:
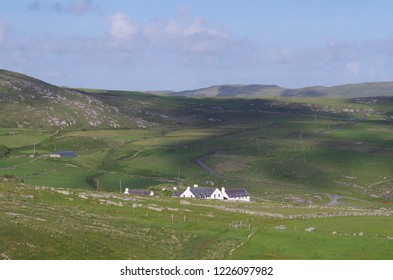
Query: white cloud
(188, 34)
(78, 7)
(121, 27)
(186, 39)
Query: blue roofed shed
(63, 154)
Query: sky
(180, 45)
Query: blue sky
(178, 45)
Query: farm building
(236, 194)
(59, 154)
(177, 194)
(202, 192)
(214, 193)
(139, 192)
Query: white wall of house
(241, 198)
(187, 193)
(217, 194)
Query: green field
(53, 223)
(291, 155)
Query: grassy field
(54, 223)
(291, 156)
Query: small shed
(59, 154)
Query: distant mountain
(341, 91)
(233, 90)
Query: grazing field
(325, 164)
(57, 223)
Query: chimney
(188, 188)
(126, 191)
(223, 190)
(195, 185)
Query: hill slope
(28, 102)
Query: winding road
(200, 162)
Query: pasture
(56, 223)
(291, 158)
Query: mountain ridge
(368, 89)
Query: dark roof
(237, 193)
(201, 192)
(177, 193)
(64, 153)
(139, 192)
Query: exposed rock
(281, 227)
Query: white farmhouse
(201, 192)
(235, 194)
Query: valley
(307, 162)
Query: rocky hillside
(28, 102)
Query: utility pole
(121, 189)
(303, 148)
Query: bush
(4, 151)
